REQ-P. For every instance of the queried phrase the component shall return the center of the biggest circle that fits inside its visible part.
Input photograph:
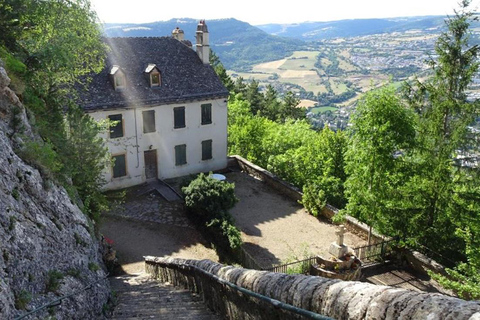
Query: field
(317, 110)
(335, 70)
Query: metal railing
(212, 287)
(300, 266)
(58, 301)
(374, 251)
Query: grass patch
(22, 299)
(53, 281)
(318, 110)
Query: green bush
(210, 200)
(53, 281)
(22, 299)
(208, 197)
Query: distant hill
(310, 31)
(238, 44)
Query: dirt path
(275, 228)
(135, 239)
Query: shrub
(92, 266)
(53, 282)
(22, 299)
(209, 197)
(210, 200)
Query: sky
(258, 12)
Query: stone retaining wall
(269, 178)
(332, 298)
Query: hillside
(238, 44)
(311, 31)
(48, 246)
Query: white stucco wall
(164, 140)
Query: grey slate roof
(184, 77)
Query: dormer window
(118, 78)
(153, 75)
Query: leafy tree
(221, 71)
(448, 191)
(10, 22)
(289, 108)
(271, 104)
(381, 127)
(445, 194)
(254, 96)
(58, 43)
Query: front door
(150, 164)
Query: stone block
(338, 251)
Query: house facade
(167, 108)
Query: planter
(348, 268)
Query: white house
(168, 106)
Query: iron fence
(374, 251)
(301, 266)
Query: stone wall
(269, 178)
(332, 298)
(48, 248)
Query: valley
(332, 74)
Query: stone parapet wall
(269, 178)
(331, 298)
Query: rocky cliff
(48, 247)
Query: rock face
(332, 298)
(47, 245)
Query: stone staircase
(139, 297)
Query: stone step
(139, 297)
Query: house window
(179, 117)
(148, 121)
(119, 81)
(119, 166)
(180, 154)
(155, 79)
(116, 126)
(206, 149)
(206, 113)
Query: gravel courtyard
(275, 228)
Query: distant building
(168, 106)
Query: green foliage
(268, 104)
(221, 71)
(12, 222)
(53, 281)
(54, 44)
(292, 151)
(210, 200)
(22, 299)
(92, 266)
(42, 156)
(382, 133)
(73, 272)
(223, 227)
(15, 194)
(209, 197)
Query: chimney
(203, 48)
(178, 34)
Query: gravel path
(276, 229)
(151, 226)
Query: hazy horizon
(265, 12)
